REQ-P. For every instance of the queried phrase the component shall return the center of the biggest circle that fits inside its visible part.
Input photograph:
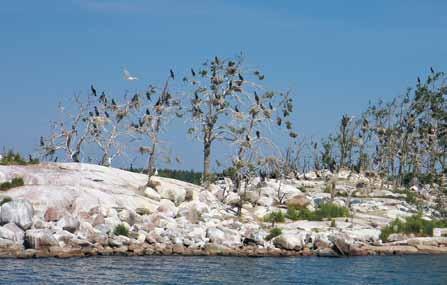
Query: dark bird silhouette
(230, 85)
(172, 74)
(419, 80)
(93, 90)
(96, 111)
(236, 109)
(148, 96)
(216, 60)
(241, 78)
(42, 143)
(147, 112)
(113, 102)
(261, 77)
(103, 98)
(278, 121)
(432, 70)
(256, 98)
(270, 106)
(247, 138)
(107, 114)
(193, 72)
(258, 134)
(91, 114)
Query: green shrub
(121, 230)
(325, 211)
(15, 182)
(5, 200)
(275, 217)
(412, 225)
(273, 233)
(329, 210)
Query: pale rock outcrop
(68, 223)
(167, 208)
(290, 241)
(18, 233)
(19, 212)
(40, 238)
(193, 211)
(152, 194)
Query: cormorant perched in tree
(236, 109)
(147, 112)
(103, 98)
(256, 98)
(93, 90)
(270, 106)
(113, 103)
(96, 111)
(230, 85)
(42, 143)
(91, 114)
(241, 78)
(419, 80)
(278, 121)
(261, 77)
(258, 134)
(107, 114)
(216, 60)
(172, 74)
(432, 70)
(148, 96)
(247, 138)
(193, 72)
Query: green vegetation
(15, 182)
(189, 176)
(333, 224)
(325, 211)
(13, 158)
(273, 233)
(121, 230)
(5, 200)
(275, 217)
(412, 225)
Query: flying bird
(127, 75)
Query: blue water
(226, 270)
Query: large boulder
(6, 233)
(167, 208)
(174, 194)
(18, 233)
(290, 241)
(152, 194)
(193, 211)
(298, 201)
(19, 212)
(53, 214)
(224, 236)
(68, 223)
(40, 238)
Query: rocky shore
(73, 210)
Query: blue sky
(334, 55)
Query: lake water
(226, 270)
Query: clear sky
(334, 55)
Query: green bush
(273, 233)
(275, 217)
(5, 200)
(121, 230)
(15, 182)
(412, 225)
(325, 211)
(333, 224)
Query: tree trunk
(151, 164)
(206, 159)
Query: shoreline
(18, 252)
